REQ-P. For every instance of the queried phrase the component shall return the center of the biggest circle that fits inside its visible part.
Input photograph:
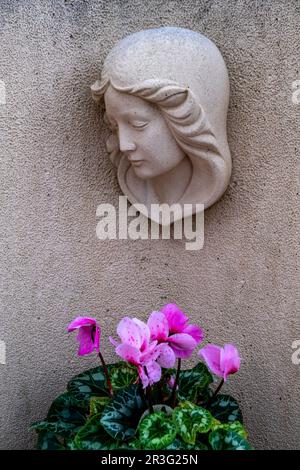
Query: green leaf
(60, 428)
(70, 445)
(225, 409)
(167, 410)
(121, 416)
(90, 383)
(235, 426)
(194, 381)
(93, 437)
(65, 416)
(122, 376)
(48, 441)
(135, 445)
(67, 413)
(156, 431)
(178, 444)
(222, 439)
(191, 419)
(97, 404)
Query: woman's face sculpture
(166, 95)
(143, 135)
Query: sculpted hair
(184, 116)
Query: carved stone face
(144, 137)
(166, 95)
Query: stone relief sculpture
(166, 94)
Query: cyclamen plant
(146, 401)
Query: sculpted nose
(125, 141)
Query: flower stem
(208, 402)
(160, 392)
(173, 396)
(149, 398)
(218, 388)
(105, 370)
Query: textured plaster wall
(243, 287)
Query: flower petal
(166, 356)
(182, 341)
(130, 333)
(176, 318)
(150, 354)
(211, 354)
(129, 353)
(87, 343)
(80, 322)
(144, 331)
(88, 336)
(179, 353)
(230, 360)
(154, 372)
(171, 382)
(158, 326)
(196, 332)
(143, 376)
(97, 338)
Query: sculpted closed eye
(139, 124)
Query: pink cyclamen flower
(178, 323)
(221, 361)
(88, 336)
(137, 349)
(170, 327)
(171, 382)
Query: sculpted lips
(135, 161)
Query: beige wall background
(242, 287)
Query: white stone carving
(166, 94)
